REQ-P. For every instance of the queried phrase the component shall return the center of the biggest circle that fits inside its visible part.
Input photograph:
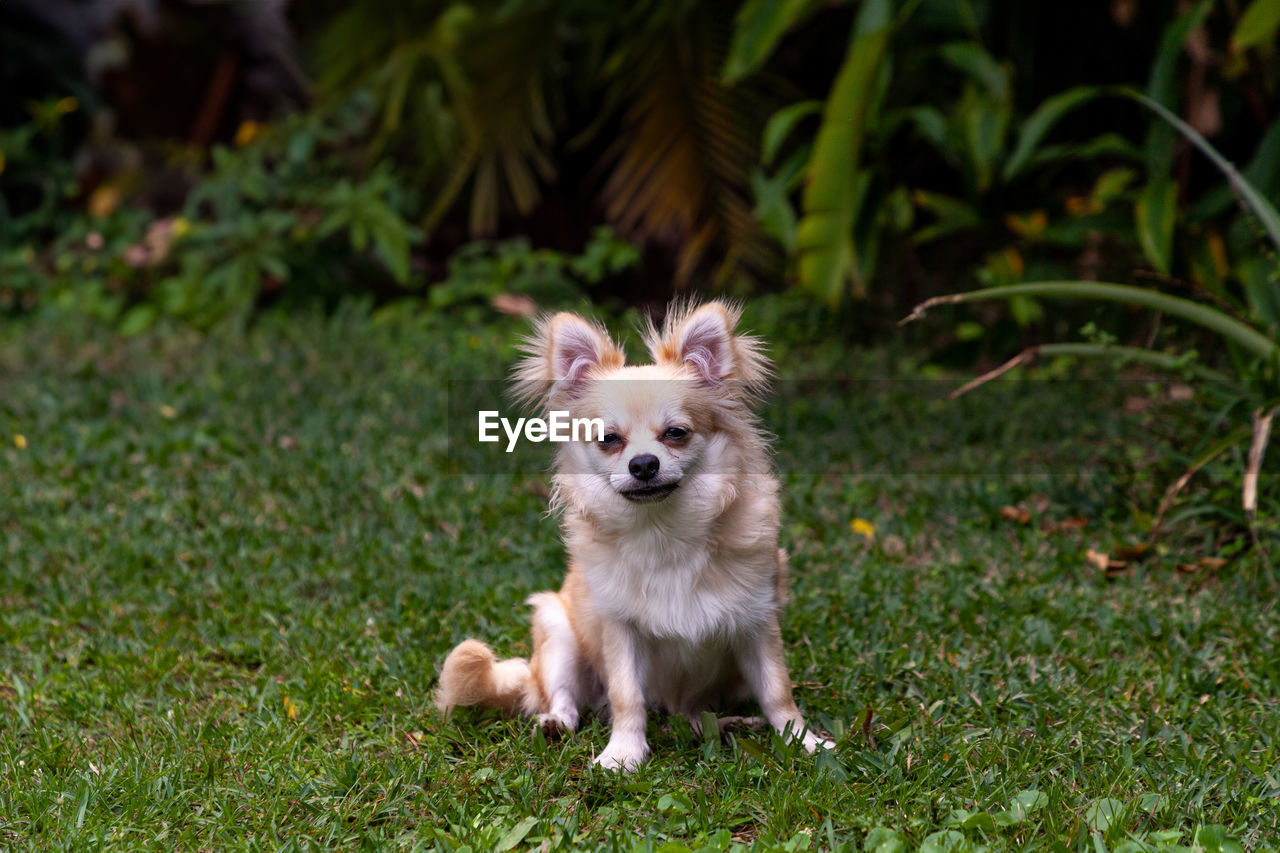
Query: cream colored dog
(676, 582)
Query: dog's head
(661, 425)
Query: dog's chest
(676, 589)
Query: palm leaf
(679, 167)
(463, 92)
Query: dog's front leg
(763, 664)
(624, 674)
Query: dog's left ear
(704, 341)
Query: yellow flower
(290, 708)
(20, 441)
(168, 412)
(862, 527)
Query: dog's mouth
(650, 494)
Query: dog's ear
(703, 340)
(563, 351)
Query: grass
(229, 568)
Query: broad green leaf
(1154, 213)
(943, 841)
(1025, 802)
(773, 208)
(758, 27)
(757, 752)
(1213, 838)
(675, 803)
(516, 834)
(1153, 802)
(1110, 185)
(824, 238)
(985, 122)
(1102, 814)
(1257, 275)
(1041, 121)
(780, 125)
(1131, 846)
(392, 242)
(1257, 26)
(952, 215)
(137, 320)
(883, 840)
(969, 57)
(710, 733)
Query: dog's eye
(611, 438)
(675, 433)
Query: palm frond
(679, 168)
(466, 91)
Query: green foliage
(284, 215)
(481, 97)
(756, 31)
(460, 92)
(1257, 385)
(481, 271)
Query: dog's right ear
(561, 354)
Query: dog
(676, 582)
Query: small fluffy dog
(676, 582)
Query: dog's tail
(473, 675)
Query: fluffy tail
(473, 675)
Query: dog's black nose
(644, 466)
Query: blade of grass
(1114, 352)
(1230, 328)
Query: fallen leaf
(1130, 552)
(1104, 562)
(1014, 513)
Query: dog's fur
(676, 582)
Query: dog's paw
(814, 741)
(623, 754)
(553, 726)
(733, 724)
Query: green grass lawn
(229, 569)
